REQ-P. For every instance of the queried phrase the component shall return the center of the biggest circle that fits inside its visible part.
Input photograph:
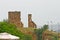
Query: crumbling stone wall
(30, 22)
(15, 18)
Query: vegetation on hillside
(11, 28)
(39, 33)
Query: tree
(39, 32)
(45, 27)
(11, 28)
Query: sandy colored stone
(14, 17)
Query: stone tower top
(30, 14)
(30, 17)
(30, 22)
(15, 18)
(14, 12)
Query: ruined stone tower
(30, 22)
(14, 17)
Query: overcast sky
(42, 10)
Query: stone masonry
(31, 24)
(14, 17)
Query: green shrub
(11, 28)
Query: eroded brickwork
(15, 18)
(30, 22)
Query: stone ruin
(14, 17)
